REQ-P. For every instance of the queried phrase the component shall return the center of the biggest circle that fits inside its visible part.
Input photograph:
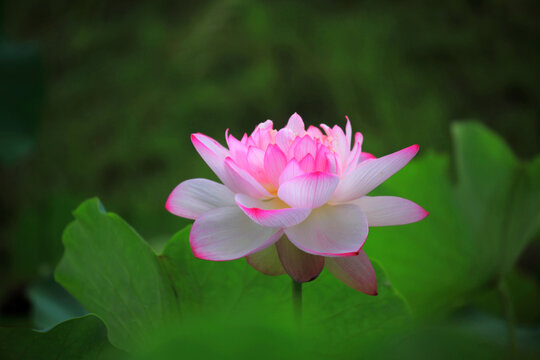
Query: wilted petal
(271, 213)
(300, 266)
(266, 261)
(227, 233)
(390, 210)
(193, 198)
(339, 230)
(371, 173)
(212, 152)
(354, 271)
(310, 190)
(242, 182)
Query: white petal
(310, 190)
(227, 233)
(194, 197)
(339, 230)
(390, 210)
(271, 213)
(371, 173)
(354, 271)
(212, 152)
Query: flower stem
(509, 314)
(297, 301)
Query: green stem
(297, 301)
(509, 314)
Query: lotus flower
(293, 200)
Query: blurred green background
(98, 98)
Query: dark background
(98, 98)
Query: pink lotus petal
(284, 139)
(238, 151)
(355, 154)
(321, 160)
(290, 171)
(366, 156)
(271, 213)
(314, 132)
(332, 163)
(307, 163)
(227, 233)
(390, 210)
(348, 132)
(371, 173)
(296, 124)
(266, 261)
(355, 272)
(212, 152)
(194, 197)
(339, 230)
(300, 266)
(310, 190)
(255, 159)
(304, 146)
(341, 147)
(242, 182)
(274, 163)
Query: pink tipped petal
(371, 173)
(300, 266)
(192, 198)
(266, 261)
(315, 132)
(366, 156)
(212, 152)
(390, 210)
(296, 124)
(271, 213)
(310, 190)
(274, 163)
(290, 171)
(355, 272)
(339, 230)
(241, 182)
(227, 233)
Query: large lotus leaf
(79, 338)
(476, 229)
(115, 274)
